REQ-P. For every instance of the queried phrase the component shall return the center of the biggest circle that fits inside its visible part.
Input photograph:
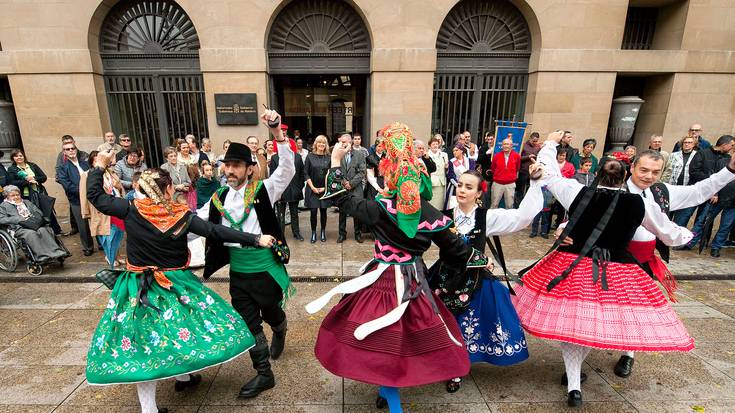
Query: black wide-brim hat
(239, 152)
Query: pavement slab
(42, 385)
(21, 408)
(19, 323)
(70, 328)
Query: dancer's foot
(582, 378)
(194, 380)
(574, 398)
(624, 366)
(454, 384)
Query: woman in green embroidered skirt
(160, 321)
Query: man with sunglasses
(695, 131)
(60, 160)
(126, 143)
(68, 175)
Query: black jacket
(14, 177)
(294, 190)
(705, 163)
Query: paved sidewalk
(46, 330)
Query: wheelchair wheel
(35, 269)
(8, 252)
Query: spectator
(505, 166)
(30, 178)
(108, 230)
(353, 171)
(587, 147)
(484, 162)
(125, 144)
(60, 159)
(315, 170)
(135, 192)
(725, 204)
(194, 152)
(528, 156)
(375, 181)
(291, 197)
(254, 144)
(225, 147)
(457, 166)
(655, 144)
(269, 153)
(28, 223)
(356, 144)
(584, 174)
(68, 175)
(566, 145)
(542, 220)
(439, 176)
(128, 165)
(680, 162)
(695, 131)
(705, 163)
(207, 150)
(191, 195)
(419, 151)
(109, 144)
(300, 146)
(566, 168)
(184, 155)
(631, 151)
(470, 147)
(4, 179)
(206, 185)
(177, 170)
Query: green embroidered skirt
(195, 329)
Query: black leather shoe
(163, 410)
(257, 385)
(532, 235)
(70, 233)
(715, 253)
(624, 366)
(298, 236)
(582, 379)
(545, 236)
(340, 239)
(87, 253)
(682, 248)
(574, 398)
(194, 380)
(358, 238)
(313, 237)
(324, 236)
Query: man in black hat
(259, 283)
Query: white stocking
(183, 377)
(147, 397)
(574, 356)
(629, 354)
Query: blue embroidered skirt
(491, 328)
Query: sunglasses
(70, 149)
(124, 140)
(695, 130)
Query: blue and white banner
(509, 129)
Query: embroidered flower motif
(154, 338)
(469, 330)
(184, 334)
(114, 354)
(133, 301)
(100, 342)
(209, 299)
(202, 305)
(147, 350)
(121, 316)
(111, 303)
(177, 345)
(207, 338)
(473, 348)
(209, 326)
(168, 314)
(184, 299)
(464, 297)
(231, 318)
(125, 344)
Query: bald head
(507, 145)
(695, 130)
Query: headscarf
(405, 177)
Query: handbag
(108, 277)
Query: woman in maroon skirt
(391, 330)
(593, 293)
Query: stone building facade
(82, 67)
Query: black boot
(264, 380)
(574, 398)
(313, 237)
(278, 342)
(298, 236)
(194, 380)
(624, 366)
(324, 235)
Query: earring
(478, 201)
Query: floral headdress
(406, 177)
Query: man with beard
(259, 283)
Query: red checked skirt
(632, 315)
(415, 350)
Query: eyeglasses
(124, 140)
(70, 149)
(695, 130)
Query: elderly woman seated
(27, 222)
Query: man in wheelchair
(29, 228)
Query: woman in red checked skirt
(593, 294)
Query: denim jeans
(726, 225)
(682, 216)
(542, 219)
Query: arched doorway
(319, 66)
(483, 48)
(155, 89)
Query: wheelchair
(9, 247)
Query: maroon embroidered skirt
(415, 350)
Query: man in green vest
(259, 283)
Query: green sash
(251, 260)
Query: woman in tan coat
(108, 230)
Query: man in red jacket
(505, 167)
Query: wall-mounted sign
(236, 108)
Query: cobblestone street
(47, 327)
